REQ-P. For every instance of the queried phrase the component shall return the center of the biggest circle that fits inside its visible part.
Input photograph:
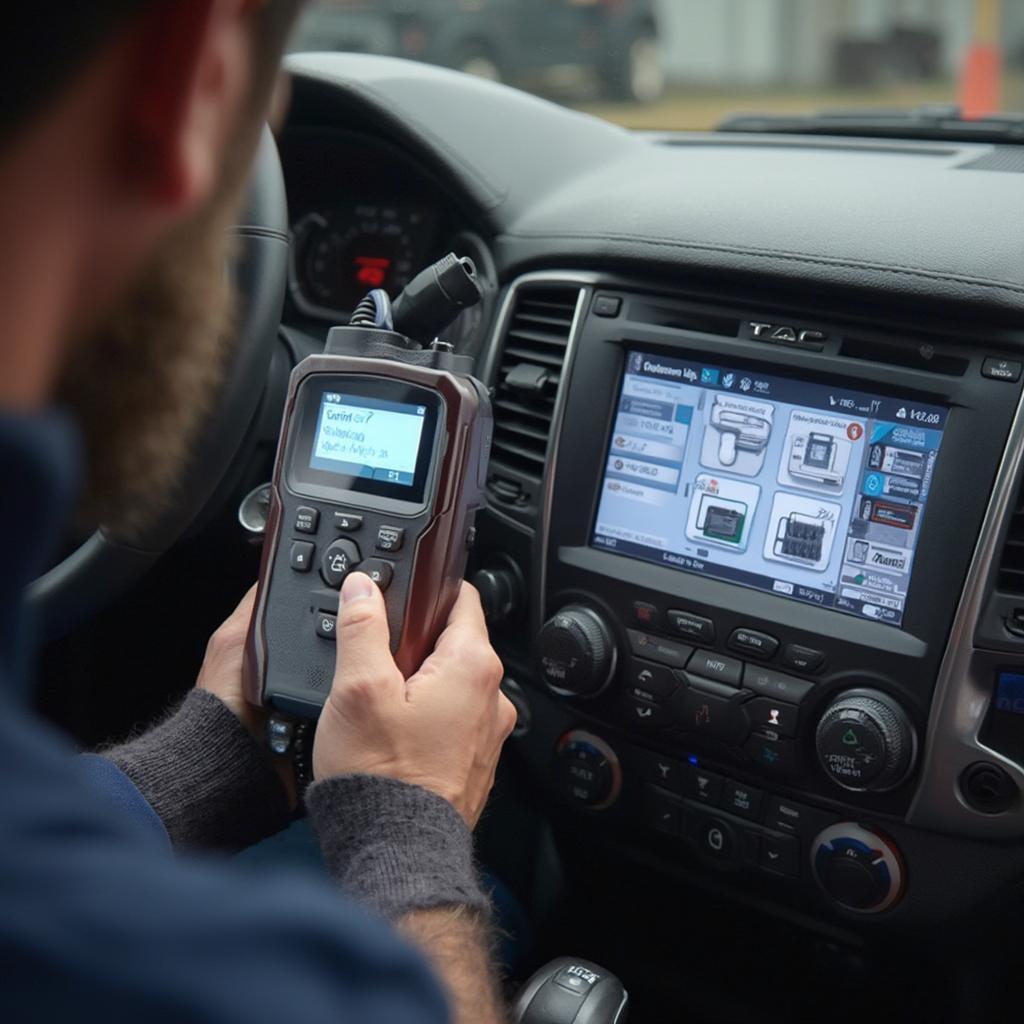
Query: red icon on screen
(373, 270)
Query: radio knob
(576, 652)
(865, 741)
(857, 867)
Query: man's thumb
(364, 654)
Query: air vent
(1011, 564)
(526, 386)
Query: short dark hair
(46, 45)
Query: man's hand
(441, 729)
(221, 673)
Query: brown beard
(141, 385)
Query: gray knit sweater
(393, 846)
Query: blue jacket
(98, 921)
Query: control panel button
(665, 652)
(742, 800)
(649, 680)
(786, 816)
(780, 853)
(646, 614)
(607, 305)
(588, 769)
(576, 652)
(339, 560)
(379, 570)
(306, 519)
(696, 627)
(669, 774)
(772, 753)
(769, 683)
(860, 869)
(772, 715)
(1001, 369)
(711, 710)
(347, 522)
(802, 659)
(644, 713)
(705, 786)
(750, 641)
(301, 556)
(390, 538)
(713, 837)
(326, 625)
(718, 667)
(662, 810)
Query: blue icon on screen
(874, 483)
(708, 376)
(728, 380)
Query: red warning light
(373, 270)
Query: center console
(756, 534)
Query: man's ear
(190, 81)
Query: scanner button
(390, 538)
(306, 519)
(326, 625)
(339, 560)
(380, 571)
(346, 522)
(301, 558)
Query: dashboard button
(780, 853)
(644, 713)
(672, 775)
(649, 680)
(696, 627)
(645, 613)
(769, 683)
(774, 715)
(705, 786)
(784, 815)
(713, 837)
(662, 810)
(346, 522)
(750, 641)
(301, 556)
(709, 709)
(802, 659)
(718, 667)
(607, 305)
(665, 652)
(742, 800)
(306, 519)
(773, 754)
(1001, 369)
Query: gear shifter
(571, 991)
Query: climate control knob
(865, 741)
(858, 868)
(576, 652)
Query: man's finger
(364, 653)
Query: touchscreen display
(801, 489)
(368, 438)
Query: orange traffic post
(981, 76)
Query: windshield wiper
(932, 121)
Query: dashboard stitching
(776, 254)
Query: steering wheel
(102, 568)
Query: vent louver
(525, 388)
(1011, 562)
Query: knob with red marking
(858, 868)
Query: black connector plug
(435, 297)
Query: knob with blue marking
(858, 868)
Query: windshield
(687, 64)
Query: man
(126, 128)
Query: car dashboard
(754, 534)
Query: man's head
(124, 148)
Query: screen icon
(728, 380)
(708, 376)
